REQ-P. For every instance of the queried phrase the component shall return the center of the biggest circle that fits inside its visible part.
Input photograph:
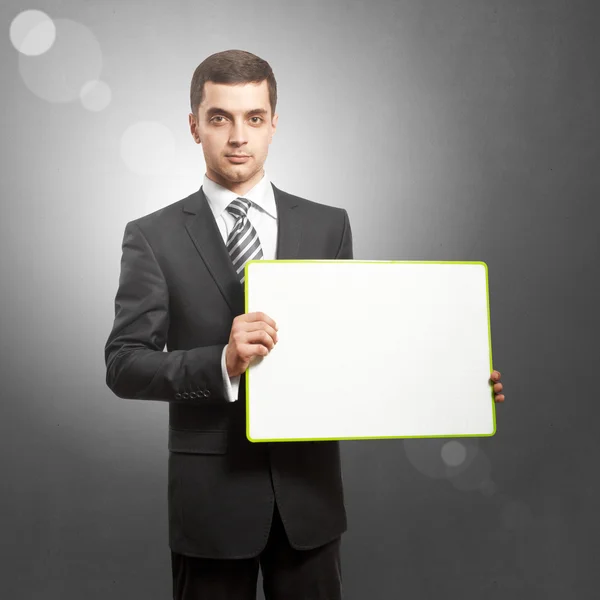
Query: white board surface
(371, 349)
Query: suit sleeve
(345, 250)
(136, 365)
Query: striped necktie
(243, 243)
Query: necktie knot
(239, 208)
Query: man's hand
(495, 379)
(252, 334)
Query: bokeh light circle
(488, 487)
(32, 32)
(148, 148)
(59, 74)
(95, 95)
(453, 453)
(440, 458)
(424, 455)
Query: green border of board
(437, 262)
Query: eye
(256, 122)
(216, 117)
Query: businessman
(234, 506)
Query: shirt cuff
(232, 384)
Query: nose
(238, 135)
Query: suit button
(206, 393)
(177, 396)
(185, 395)
(193, 395)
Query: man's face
(235, 127)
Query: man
(233, 505)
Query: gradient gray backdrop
(450, 130)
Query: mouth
(238, 158)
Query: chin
(236, 176)
(240, 173)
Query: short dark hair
(231, 67)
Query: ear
(273, 127)
(194, 128)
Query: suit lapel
(204, 233)
(202, 229)
(289, 228)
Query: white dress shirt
(263, 216)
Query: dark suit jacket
(177, 287)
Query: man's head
(233, 98)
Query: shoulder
(310, 208)
(169, 214)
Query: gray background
(449, 130)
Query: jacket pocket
(194, 441)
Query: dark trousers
(288, 574)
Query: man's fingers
(259, 336)
(497, 387)
(259, 325)
(259, 316)
(247, 351)
(256, 336)
(251, 335)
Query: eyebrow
(211, 112)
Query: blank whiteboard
(371, 349)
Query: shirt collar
(220, 197)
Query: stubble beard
(238, 175)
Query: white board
(371, 349)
